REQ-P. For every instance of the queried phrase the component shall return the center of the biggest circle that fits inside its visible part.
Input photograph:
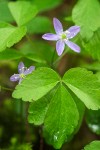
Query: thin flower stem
(4, 88)
(52, 60)
(58, 59)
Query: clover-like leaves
(58, 110)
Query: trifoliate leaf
(86, 14)
(85, 85)
(22, 11)
(95, 145)
(9, 35)
(61, 118)
(37, 84)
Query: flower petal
(29, 70)
(57, 25)
(73, 31)
(60, 45)
(15, 77)
(73, 46)
(21, 67)
(50, 37)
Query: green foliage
(34, 57)
(93, 120)
(39, 50)
(81, 82)
(58, 104)
(10, 54)
(55, 111)
(22, 11)
(98, 75)
(58, 123)
(37, 111)
(9, 35)
(95, 66)
(85, 85)
(37, 84)
(93, 45)
(24, 146)
(5, 14)
(81, 110)
(46, 4)
(38, 25)
(13, 54)
(95, 145)
(86, 14)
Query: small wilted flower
(23, 71)
(62, 37)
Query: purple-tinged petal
(29, 70)
(73, 46)
(72, 31)
(57, 26)
(15, 77)
(21, 67)
(50, 37)
(60, 45)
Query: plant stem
(52, 60)
(59, 58)
(4, 88)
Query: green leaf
(93, 45)
(37, 84)
(95, 66)
(9, 35)
(93, 120)
(86, 14)
(37, 111)
(22, 11)
(95, 145)
(46, 4)
(60, 120)
(10, 54)
(35, 57)
(81, 110)
(40, 49)
(98, 75)
(85, 85)
(38, 25)
(5, 14)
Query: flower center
(22, 75)
(63, 36)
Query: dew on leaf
(56, 136)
